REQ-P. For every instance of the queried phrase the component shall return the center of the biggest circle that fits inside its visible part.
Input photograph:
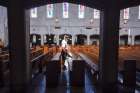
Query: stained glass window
(96, 14)
(81, 11)
(126, 13)
(50, 10)
(65, 10)
(33, 13)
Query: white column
(5, 32)
(88, 39)
(57, 36)
(76, 39)
(133, 40)
(6, 41)
(42, 39)
(73, 39)
(129, 40)
(129, 37)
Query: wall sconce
(125, 21)
(91, 21)
(56, 20)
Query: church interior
(101, 51)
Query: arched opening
(76, 21)
(56, 20)
(50, 39)
(108, 78)
(127, 50)
(124, 40)
(72, 25)
(35, 40)
(69, 38)
(81, 39)
(4, 48)
(4, 42)
(137, 40)
(94, 39)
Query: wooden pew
(4, 68)
(77, 75)
(125, 52)
(91, 67)
(53, 69)
(39, 57)
(36, 60)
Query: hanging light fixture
(56, 20)
(56, 23)
(91, 21)
(125, 21)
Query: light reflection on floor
(39, 85)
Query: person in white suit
(64, 51)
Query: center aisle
(39, 83)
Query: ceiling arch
(129, 3)
(89, 3)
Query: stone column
(108, 54)
(19, 31)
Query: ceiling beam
(129, 3)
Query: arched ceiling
(99, 4)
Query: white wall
(73, 25)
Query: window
(81, 11)
(96, 14)
(126, 13)
(139, 13)
(65, 10)
(50, 10)
(33, 13)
